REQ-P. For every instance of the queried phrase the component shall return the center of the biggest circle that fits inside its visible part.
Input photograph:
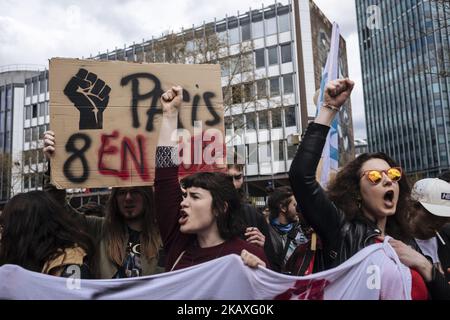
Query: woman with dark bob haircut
(225, 200)
(368, 199)
(206, 227)
(39, 235)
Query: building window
(251, 121)
(272, 54)
(233, 34)
(226, 95)
(26, 158)
(291, 150)
(278, 150)
(9, 98)
(257, 30)
(26, 181)
(42, 109)
(27, 112)
(34, 134)
(43, 85)
(35, 86)
(289, 116)
(245, 32)
(41, 131)
(249, 92)
(246, 62)
(265, 154)
(276, 118)
(224, 68)
(32, 181)
(286, 53)
(228, 122)
(263, 120)
(34, 110)
(8, 140)
(236, 92)
(130, 55)
(27, 134)
(2, 99)
(238, 122)
(252, 153)
(261, 88)
(222, 36)
(283, 23)
(288, 85)
(34, 156)
(41, 157)
(28, 89)
(235, 65)
(259, 58)
(274, 87)
(271, 26)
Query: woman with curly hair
(39, 235)
(368, 199)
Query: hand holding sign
(90, 95)
(49, 144)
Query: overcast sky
(33, 31)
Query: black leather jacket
(341, 238)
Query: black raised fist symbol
(90, 95)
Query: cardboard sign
(106, 117)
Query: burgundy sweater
(168, 198)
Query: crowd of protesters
(176, 224)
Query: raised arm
(167, 189)
(315, 206)
(49, 151)
(93, 224)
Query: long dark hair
(344, 191)
(226, 204)
(36, 229)
(116, 231)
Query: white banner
(373, 273)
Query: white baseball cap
(433, 195)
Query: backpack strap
(290, 236)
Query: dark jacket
(252, 218)
(279, 241)
(341, 238)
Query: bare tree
(205, 45)
(10, 174)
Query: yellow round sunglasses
(375, 176)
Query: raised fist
(90, 95)
(337, 92)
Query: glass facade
(406, 75)
(36, 122)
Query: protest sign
(106, 117)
